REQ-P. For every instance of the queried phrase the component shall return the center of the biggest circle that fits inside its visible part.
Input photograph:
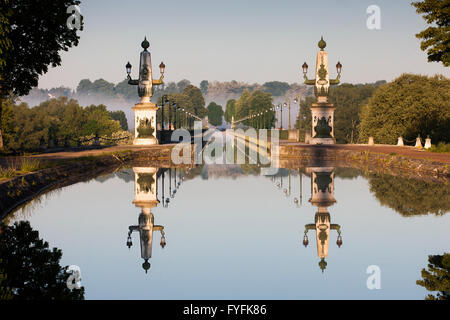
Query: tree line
(409, 106)
(57, 122)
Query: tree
(54, 121)
(230, 110)
(435, 38)
(32, 269)
(5, 42)
(409, 106)
(348, 100)
(182, 84)
(304, 118)
(38, 34)
(437, 277)
(204, 87)
(121, 117)
(198, 102)
(215, 114)
(276, 88)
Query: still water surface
(231, 233)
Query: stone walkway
(385, 149)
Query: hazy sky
(244, 40)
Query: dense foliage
(437, 277)
(215, 114)
(37, 33)
(436, 38)
(53, 122)
(409, 106)
(30, 269)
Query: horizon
(233, 40)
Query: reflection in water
(322, 196)
(29, 270)
(410, 197)
(146, 182)
(145, 197)
(437, 277)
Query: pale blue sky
(252, 41)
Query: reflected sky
(232, 235)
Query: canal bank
(62, 169)
(66, 168)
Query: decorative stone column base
(322, 112)
(146, 112)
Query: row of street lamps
(259, 116)
(181, 115)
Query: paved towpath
(386, 149)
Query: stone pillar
(400, 142)
(322, 123)
(428, 143)
(371, 141)
(418, 143)
(145, 124)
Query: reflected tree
(437, 277)
(410, 197)
(30, 269)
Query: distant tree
(37, 31)
(230, 110)
(437, 277)
(32, 270)
(182, 84)
(84, 86)
(304, 118)
(198, 102)
(215, 114)
(121, 117)
(204, 87)
(409, 106)
(276, 88)
(126, 91)
(436, 38)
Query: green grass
(7, 173)
(30, 165)
(441, 148)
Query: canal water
(230, 232)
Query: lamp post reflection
(145, 189)
(322, 196)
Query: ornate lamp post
(145, 197)
(322, 111)
(322, 196)
(145, 111)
